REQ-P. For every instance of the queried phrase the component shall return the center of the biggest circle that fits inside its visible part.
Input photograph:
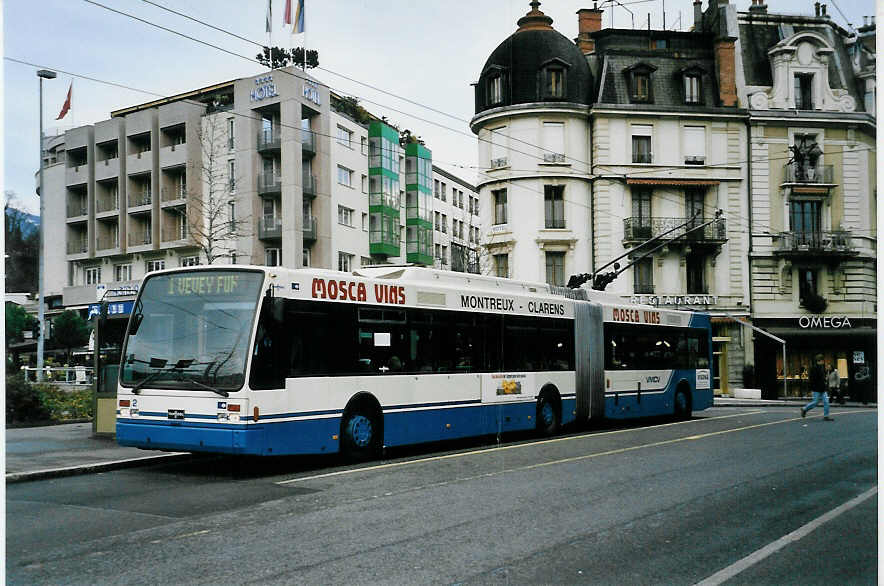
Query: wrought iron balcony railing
(822, 242)
(638, 229)
(804, 173)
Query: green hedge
(33, 403)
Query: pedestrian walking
(817, 382)
(834, 380)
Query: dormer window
(638, 82)
(495, 82)
(555, 82)
(691, 84)
(803, 91)
(553, 75)
(495, 89)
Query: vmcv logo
(653, 379)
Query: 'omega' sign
(265, 89)
(311, 92)
(817, 321)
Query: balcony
(173, 195)
(269, 184)
(77, 209)
(107, 204)
(268, 140)
(822, 175)
(308, 143)
(139, 199)
(309, 186)
(107, 169)
(78, 246)
(499, 163)
(309, 229)
(103, 243)
(270, 227)
(174, 155)
(636, 230)
(140, 238)
(831, 244)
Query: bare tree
(214, 221)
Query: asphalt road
(753, 496)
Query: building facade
(809, 87)
(269, 170)
(644, 147)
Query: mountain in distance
(30, 222)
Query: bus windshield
(191, 331)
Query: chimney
(725, 66)
(823, 10)
(758, 6)
(589, 20)
(816, 8)
(698, 15)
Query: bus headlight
(234, 417)
(124, 413)
(222, 417)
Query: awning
(674, 182)
(817, 332)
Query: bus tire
(682, 404)
(361, 434)
(549, 414)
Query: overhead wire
(362, 83)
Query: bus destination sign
(208, 284)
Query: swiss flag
(67, 103)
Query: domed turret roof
(517, 72)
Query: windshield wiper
(209, 388)
(159, 363)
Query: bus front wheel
(361, 436)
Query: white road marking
(513, 447)
(757, 556)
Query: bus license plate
(176, 413)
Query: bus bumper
(274, 439)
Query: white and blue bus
(274, 361)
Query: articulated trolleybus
(273, 361)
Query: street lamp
(42, 74)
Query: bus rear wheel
(360, 435)
(682, 404)
(548, 416)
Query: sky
(427, 52)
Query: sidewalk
(34, 453)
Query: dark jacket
(817, 378)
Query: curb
(15, 477)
